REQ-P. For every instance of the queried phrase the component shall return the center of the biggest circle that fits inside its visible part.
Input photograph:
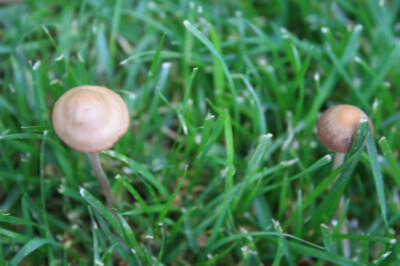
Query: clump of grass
(221, 164)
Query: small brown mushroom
(338, 125)
(91, 119)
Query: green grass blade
(321, 254)
(279, 250)
(5, 218)
(30, 247)
(101, 209)
(391, 160)
(377, 174)
(96, 251)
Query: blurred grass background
(221, 164)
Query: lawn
(221, 163)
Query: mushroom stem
(101, 177)
(339, 159)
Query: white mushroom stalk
(91, 119)
(102, 178)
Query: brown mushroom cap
(338, 125)
(90, 118)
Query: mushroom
(91, 119)
(337, 128)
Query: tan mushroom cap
(90, 118)
(338, 126)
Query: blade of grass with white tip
(219, 125)
(39, 94)
(141, 170)
(70, 193)
(224, 209)
(181, 112)
(326, 237)
(162, 246)
(393, 256)
(377, 174)
(206, 132)
(262, 125)
(258, 156)
(101, 209)
(279, 249)
(30, 247)
(390, 159)
(199, 35)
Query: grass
(221, 164)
